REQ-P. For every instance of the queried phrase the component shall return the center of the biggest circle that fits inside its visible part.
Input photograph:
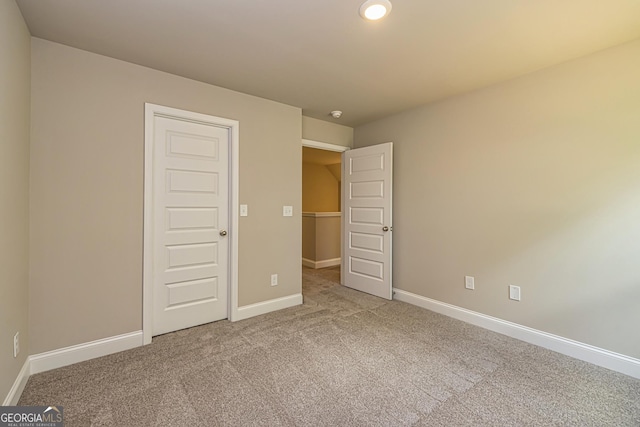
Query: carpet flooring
(343, 358)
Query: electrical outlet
(274, 280)
(16, 344)
(469, 282)
(514, 292)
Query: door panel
(360, 190)
(367, 242)
(367, 222)
(191, 205)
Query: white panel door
(190, 219)
(367, 223)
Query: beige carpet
(342, 359)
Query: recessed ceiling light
(373, 10)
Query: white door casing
(367, 223)
(324, 145)
(190, 248)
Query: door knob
(385, 228)
(223, 233)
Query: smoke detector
(336, 114)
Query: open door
(366, 219)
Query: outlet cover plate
(514, 292)
(16, 344)
(274, 280)
(469, 282)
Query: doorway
(321, 207)
(365, 250)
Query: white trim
(18, 385)
(265, 307)
(323, 145)
(588, 353)
(322, 214)
(151, 111)
(322, 263)
(147, 261)
(234, 218)
(86, 351)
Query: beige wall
(320, 236)
(336, 170)
(308, 237)
(15, 59)
(87, 191)
(533, 182)
(327, 238)
(332, 133)
(320, 189)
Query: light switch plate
(287, 211)
(244, 210)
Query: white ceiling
(320, 55)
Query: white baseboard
(321, 264)
(81, 352)
(598, 356)
(19, 384)
(265, 307)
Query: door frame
(324, 145)
(151, 111)
(341, 149)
